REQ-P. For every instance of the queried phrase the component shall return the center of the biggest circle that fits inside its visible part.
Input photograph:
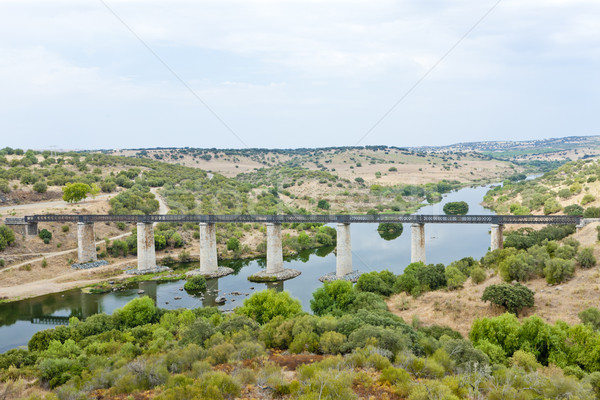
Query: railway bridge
(146, 260)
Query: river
(444, 243)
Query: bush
(233, 244)
(332, 342)
(574, 209)
(195, 283)
(323, 205)
(455, 279)
(332, 298)
(518, 267)
(45, 235)
(478, 275)
(591, 317)
(558, 270)
(267, 304)
(40, 187)
(591, 212)
(586, 258)
(512, 297)
(7, 237)
(137, 312)
(377, 282)
(587, 198)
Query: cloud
(324, 71)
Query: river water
(444, 244)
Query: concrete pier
(274, 249)
(497, 237)
(417, 245)
(146, 255)
(274, 271)
(343, 261)
(208, 248)
(86, 242)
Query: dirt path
(53, 204)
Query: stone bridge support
(146, 255)
(86, 242)
(208, 248)
(274, 249)
(343, 261)
(497, 237)
(274, 271)
(417, 245)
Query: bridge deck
(333, 218)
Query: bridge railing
(331, 218)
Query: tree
(455, 279)
(323, 204)
(456, 208)
(558, 270)
(94, 190)
(233, 244)
(267, 304)
(512, 297)
(40, 187)
(74, 192)
(332, 298)
(7, 237)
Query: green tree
(267, 304)
(512, 297)
(558, 270)
(455, 279)
(323, 204)
(7, 237)
(45, 235)
(233, 244)
(74, 192)
(332, 298)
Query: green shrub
(332, 342)
(512, 297)
(586, 258)
(40, 187)
(7, 237)
(233, 244)
(195, 283)
(558, 270)
(394, 376)
(590, 316)
(574, 209)
(455, 279)
(591, 212)
(265, 305)
(137, 312)
(45, 235)
(478, 275)
(323, 205)
(587, 198)
(377, 282)
(65, 228)
(524, 360)
(332, 298)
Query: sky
(99, 74)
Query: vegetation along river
(444, 243)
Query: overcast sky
(305, 73)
